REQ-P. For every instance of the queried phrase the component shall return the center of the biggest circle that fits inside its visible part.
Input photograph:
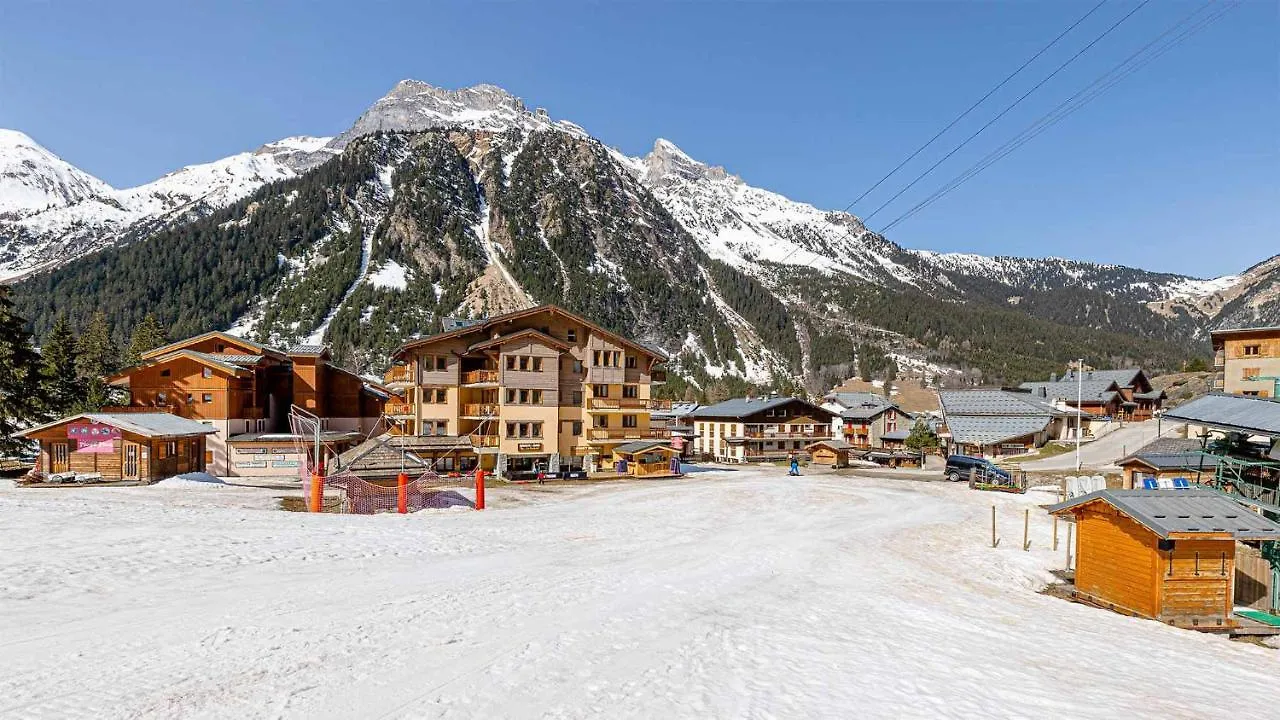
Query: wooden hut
(1168, 555)
(648, 459)
(105, 447)
(830, 452)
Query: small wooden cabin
(648, 459)
(142, 447)
(830, 452)
(1168, 555)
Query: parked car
(958, 467)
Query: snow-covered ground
(727, 594)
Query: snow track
(729, 594)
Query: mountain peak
(667, 161)
(415, 105)
(32, 178)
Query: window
(511, 396)
(600, 391)
(1250, 350)
(442, 395)
(577, 366)
(164, 372)
(435, 427)
(524, 397)
(631, 361)
(600, 421)
(536, 430)
(206, 373)
(442, 362)
(536, 397)
(511, 362)
(890, 421)
(190, 398)
(537, 364)
(575, 428)
(629, 421)
(595, 358)
(206, 398)
(576, 395)
(524, 362)
(1251, 372)
(630, 391)
(571, 335)
(511, 429)
(1251, 393)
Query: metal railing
(629, 434)
(399, 409)
(627, 404)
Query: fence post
(317, 492)
(1070, 527)
(1055, 533)
(402, 493)
(994, 540)
(479, 489)
(1026, 529)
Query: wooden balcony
(398, 374)
(1219, 360)
(601, 434)
(628, 404)
(480, 377)
(484, 441)
(398, 409)
(815, 434)
(658, 377)
(479, 410)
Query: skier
(795, 464)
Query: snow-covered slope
(33, 179)
(93, 215)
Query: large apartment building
(1247, 361)
(538, 390)
(244, 390)
(754, 429)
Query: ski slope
(728, 594)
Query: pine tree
(921, 437)
(147, 335)
(96, 357)
(63, 389)
(19, 377)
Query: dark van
(958, 467)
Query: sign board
(252, 464)
(525, 447)
(677, 442)
(284, 463)
(93, 437)
(252, 451)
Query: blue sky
(1177, 168)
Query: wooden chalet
(1168, 555)
(758, 429)
(830, 452)
(108, 447)
(647, 459)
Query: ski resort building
(535, 391)
(1124, 394)
(244, 390)
(754, 429)
(1247, 361)
(105, 447)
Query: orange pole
(317, 492)
(402, 492)
(479, 489)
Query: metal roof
(678, 409)
(990, 429)
(1166, 512)
(742, 407)
(992, 403)
(640, 446)
(1070, 390)
(1123, 377)
(896, 435)
(308, 349)
(1190, 461)
(833, 444)
(147, 424)
(230, 359)
(1255, 415)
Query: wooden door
(59, 457)
(130, 461)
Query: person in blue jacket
(795, 464)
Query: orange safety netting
(365, 498)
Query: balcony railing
(816, 433)
(629, 434)
(399, 409)
(1219, 360)
(479, 409)
(474, 377)
(628, 404)
(398, 374)
(484, 440)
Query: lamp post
(1079, 402)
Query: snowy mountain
(73, 213)
(439, 202)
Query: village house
(755, 429)
(867, 420)
(106, 447)
(1247, 361)
(1124, 394)
(992, 423)
(244, 390)
(535, 391)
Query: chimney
(1053, 377)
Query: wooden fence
(1253, 579)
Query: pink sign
(93, 437)
(677, 443)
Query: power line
(1005, 111)
(1057, 114)
(972, 107)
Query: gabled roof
(991, 429)
(309, 350)
(497, 320)
(744, 407)
(1091, 390)
(640, 446)
(1192, 461)
(995, 403)
(157, 424)
(538, 335)
(1178, 512)
(221, 362)
(180, 344)
(1253, 415)
(833, 444)
(861, 406)
(1123, 377)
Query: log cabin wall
(1117, 560)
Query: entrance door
(59, 457)
(130, 461)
